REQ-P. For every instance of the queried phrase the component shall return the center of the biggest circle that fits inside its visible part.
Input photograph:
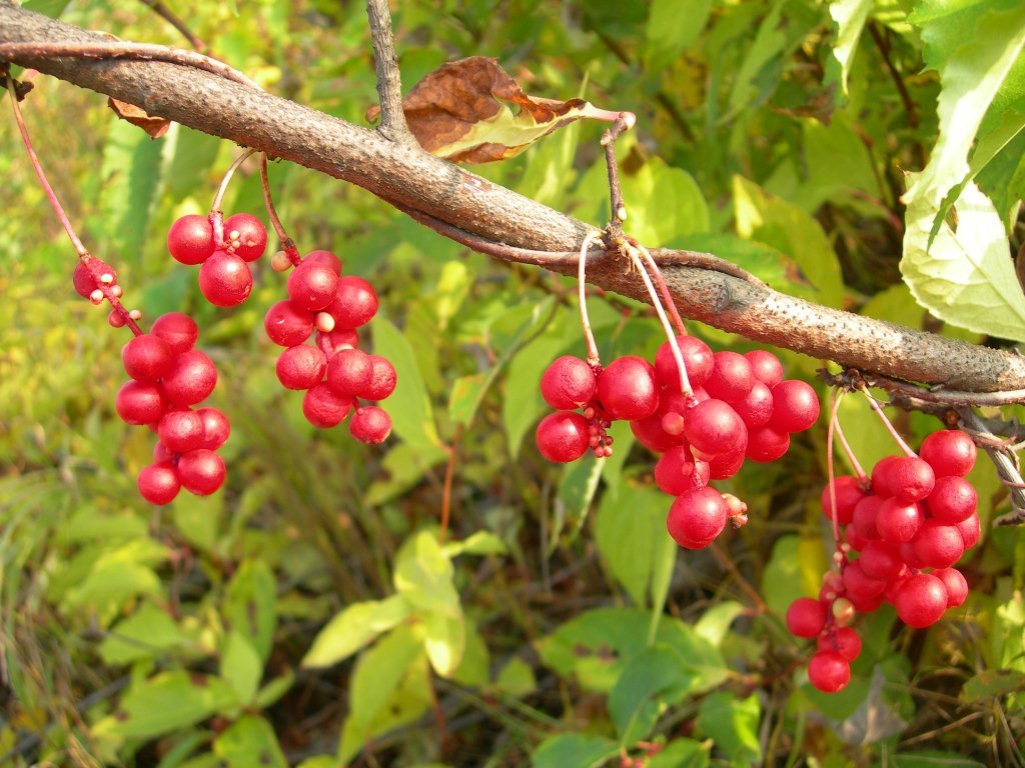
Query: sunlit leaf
(354, 627)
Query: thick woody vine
(898, 529)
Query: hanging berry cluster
(224, 248)
(899, 534)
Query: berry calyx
(245, 236)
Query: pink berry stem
(83, 254)
(855, 465)
(656, 302)
(593, 359)
(216, 215)
(663, 289)
(287, 244)
(886, 422)
(830, 474)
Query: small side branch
(171, 18)
(389, 82)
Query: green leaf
(630, 531)
(250, 605)
(389, 686)
(681, 753)
(465, 397)
(199, 518)
(354, 627)
(992, 683)
(715, 622)
(574, 750)
(194, 155)
(651, 681)
(549, 172)
(423, 575)
(444, 641)
(790, 230)
(248, 742)
(241, 667)
(516, 678)
(453, 286)
(409, 406)
(967, 277)
(146, 634)
(664, 203)
(167, 702)
(475, 660)
(732, 723)
(406, 465)
(577, 487)
(762, 62)
(131, 175)
(934, 758)
(850, 16)
(479, 543)
(274, 690)
(51, 8)
(769, 265)
(672, 27)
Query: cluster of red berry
(739, 408)
(223, 248)
(335, 373)
(903, 529)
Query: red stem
(886, 422)
(287, 244)
(830, 475)
(667, 297)
(593, 358)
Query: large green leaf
(354, 627)
(409, 406)
(663, 203)
(573, 750)
(167, 702)
(850, 16)
(651, 681)
(241, 667)
(250, 605)
(248, 742)
(131, 176)
(732, 723)
(673, 25)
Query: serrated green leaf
(672, 27)
(250, 741)
(967, 277)
(354, 627)
(389, 686)
(409, 405)
(194, 155)
(850, 16)
(664, 203)
(241, 667)
(574, 750)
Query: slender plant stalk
(593, 358)
(287, 244)
(886, 423)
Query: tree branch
(411, 178)
(389, 81)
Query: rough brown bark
(398, 173)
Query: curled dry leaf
(472, 111)
(154, 126)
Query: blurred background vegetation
(201, 634)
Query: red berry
(146, 358)
(842, 640)
(910, 478)
(858, 585)
(920, 600)
(755, 408)
(225, 279)
(767, 444)
(158, 483)
(732, 377)
(897, 522)
(313, 286)
(191, 239)
(181, 430)
(970, 530)
(350, 372)
(725, 465)
(697, 359)
(795, 406)
(355, 302)
(696, 517)
(765, 366)
(627, 388)
(806, 617)
(955, 583)
(178, 330)
(191, 379)
(713, 428)
(245, 236)
(953, 499)
(562, 436)
(848, 492)
(880, 560)
(865, 516)
(201, 471)
(370, 425)
(139, 403)
(301, 367)
(949, 452)
(881, 476)
(339, 338)
(216, 428)
(568, 383)
(326, 258)
(83, 279)
(382, 380)
(651, 433)
(829, 672)
(287, 325)
(938, 545)
(675, 472)
(325, 408)
(160, 453)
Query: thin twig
(830, 475)
(634, 253)
(950, 398)
(287, 244)
(902, 89)
(171, 18)
(446, 497)
(901, 443)
(617, 208)
(126, 50)
(1005, 462)
(389, 81)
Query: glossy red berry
(765, 366)
(766, 444)
(697, 360)
(627, 388)
(324, 408)
(725, 465)
(355, 302)
(880, 560)
(848, 492)
(676, 472)
(732, 377)
(697, 517)
(568, 383)
(955, 583)
(858, 585)
(158, 483)
(382, 380)
(216, 428)
(146, 358)
(865, 516)
(84, 276)
(301, 367)
(325, 258)
(910, 478)
(201, 471)
(938, 545)
(562, 436)
(287, 325)
(842, 640)
(795, 406)
(245, 236)
(370, 425)
(181, 430)
(953, 499)
(350, 372)
(806, 617)
(713, 428)
(829, 671)
(312, 286)
(920, 600)
(949, 452)
(190, 380)
(178, 330)
(881, 485)
(970, 529)
(755, 408)
(191, 239)
(225, 279)
(139, 403)
(898, 522)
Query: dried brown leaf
(154, 126)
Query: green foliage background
(306, 614)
